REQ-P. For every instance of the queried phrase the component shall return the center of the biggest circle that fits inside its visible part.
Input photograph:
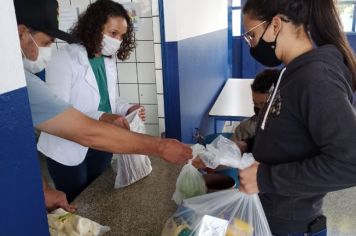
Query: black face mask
(256, 110)
(264, 52)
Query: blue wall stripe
(170, 81)
(203, 70)
(172, 91)
(22, 202)
(352, 40)
(237, 57)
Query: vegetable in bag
(190, 183)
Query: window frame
(232, 9)
(353, 28)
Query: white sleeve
(60, 76)
(122, 106)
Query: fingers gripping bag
(190, 183)
(131, 168)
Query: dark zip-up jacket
(308, 147)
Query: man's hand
(115, 119)
(248, 179)
(198, 163)
(174, 151)
(56, 199)
(141, 112)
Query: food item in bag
(62, 223)
(192, 185)
(239, 228)
(176, 226)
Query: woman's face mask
(265, 52)
(44, 56)
(110, 45)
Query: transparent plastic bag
(190, 183)
(223, 213)
(222, 151)
(63, 223)
(131, 167)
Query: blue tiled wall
(22, 202)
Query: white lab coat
(70, 76)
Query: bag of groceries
(190, 183)
(62, 223)
(221, 152)
(131, 167)
(223, 213)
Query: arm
(331, 121)
(115, 120)
(74, 126)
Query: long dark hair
(89, 27)
(319, 17)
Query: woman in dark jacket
(304, 145)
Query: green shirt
(98, 66)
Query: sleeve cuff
(264, 179)
(123, 108)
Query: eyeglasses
(247, 37)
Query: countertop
(142, 208)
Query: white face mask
(110, 45)
(44, 56)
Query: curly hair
(264, 80)
(88, 29)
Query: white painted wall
(190, 18)
(12, 74)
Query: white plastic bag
(63, 223)
(131, 167)
(222, 151)
(223, 213)
(190, 183)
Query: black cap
(40, 15)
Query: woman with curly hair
(85, 75)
